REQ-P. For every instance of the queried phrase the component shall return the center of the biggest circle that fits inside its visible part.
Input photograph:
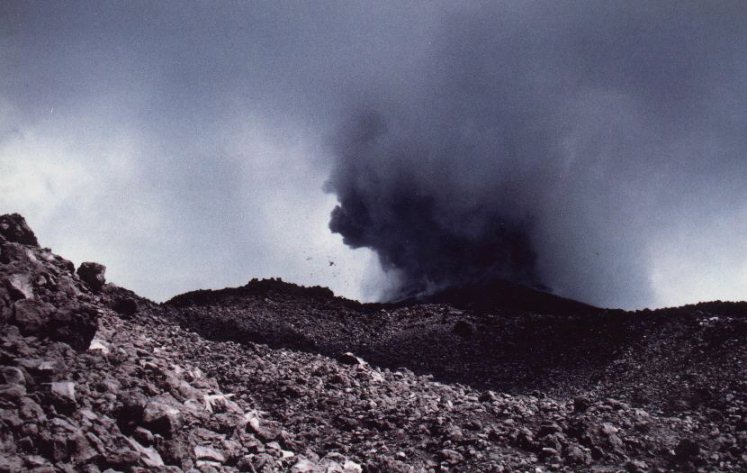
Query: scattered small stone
(209, 453)
(12, 392)
(64, 389)
(99, 345)
(608, 429)
(12, 375)
(160, 418)
(451, 457)
(686, 449)
(581, 404)
(463, 328)
(636, 466)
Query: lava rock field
(273, 377)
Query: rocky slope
(258, 379)
(674, 356)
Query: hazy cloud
(186, 145)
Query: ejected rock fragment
(93, 275)
(13, 228)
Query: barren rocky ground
(275, 377)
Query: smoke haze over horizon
(596, 149)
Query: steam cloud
(558, 144)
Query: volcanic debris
(271, 377)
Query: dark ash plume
(411, 229)
(547, 143)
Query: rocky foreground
(272, 377)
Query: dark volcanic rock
(30, 316)
(125, 306)
(215, 381)
(13, 228)
(348, 358)
(19, 287)
(93, 275)
(463, 329)
(73, 325)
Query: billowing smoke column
(435, 236)
(548, 144)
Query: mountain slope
(97, 378)
(509, 350)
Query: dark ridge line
(485, 297)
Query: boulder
(451, 457)
(10, 463)
(304, 466)
(13, 227)
(92, 274)
(160, 418)
(31, 317)
(64, 389)
(463, 329)
(19, 286)
(62, 396)
(30, 410)
(74, 325)
(686, 449)
(12, 392)
(348, 358)
(209, 453)
(126, 306)
(265, 430)
(148, 455)
(12, 375)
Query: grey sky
(186, 145)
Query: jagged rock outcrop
(84, 389)
(40, 295)
(92, 274)
(14, 228)
(138, 386)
